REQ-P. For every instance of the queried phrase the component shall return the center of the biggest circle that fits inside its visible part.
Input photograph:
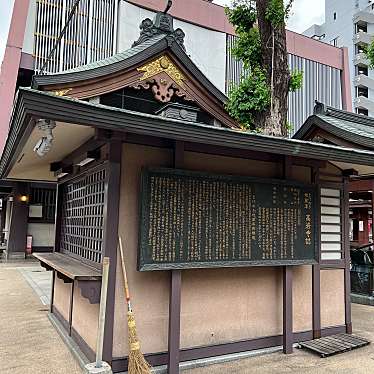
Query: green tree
(260, 101)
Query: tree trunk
(275, 61)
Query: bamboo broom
(137, 362)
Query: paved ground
(28, 342)
(360, 361)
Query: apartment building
(350, 23)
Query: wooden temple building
(332, 126)
(233, 241)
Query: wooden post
(175, 292)
(113, 189)
(372, 240)
(316, 269)
(18, 223)
(287, 283)
(52, 291)
(287, 310)
(71, 307)
(347, 257)
(372, 216)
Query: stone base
(362, 299)
(92, 369)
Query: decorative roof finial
(162, 24)
(319, 108)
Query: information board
(199, 220)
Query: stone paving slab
(28, 342)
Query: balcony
(360, 59)
(363, 16)
(365, 103)
(363, 38)
(364, 81)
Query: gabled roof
(352, 128)
(152, 42)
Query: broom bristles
(137, 362)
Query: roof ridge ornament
(163, 24)
(319, 108)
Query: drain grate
(332, 345)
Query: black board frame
(144, 220)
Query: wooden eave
(31, 104)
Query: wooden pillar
(347, 257)
(18, 223)
(287, 283)
(58, 213)
(175, 292)
(316, 269)
(372, 216)
(110, 249)
(287, 310)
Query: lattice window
(82, 220)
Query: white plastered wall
(207, 48)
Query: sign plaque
(199, 220)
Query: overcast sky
(304, 14)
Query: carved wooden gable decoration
(164, 78)
(157, 62)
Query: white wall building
(350, 23)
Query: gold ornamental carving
(162, 65)
(62, 92)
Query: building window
(334, 16)
(89, 36)
(362, 111)
(360, 48)
(334, 42)
(42, 204)
(82, 216)
(362, 70)
(362, 91)
(361, 27)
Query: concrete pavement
(28, 342)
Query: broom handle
(127, 292)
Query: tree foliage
(369, 51)
(251, 101)
(255, 87)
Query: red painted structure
(11, 64)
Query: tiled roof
(119, 56)
(353, 128)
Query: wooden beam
(175, 292)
